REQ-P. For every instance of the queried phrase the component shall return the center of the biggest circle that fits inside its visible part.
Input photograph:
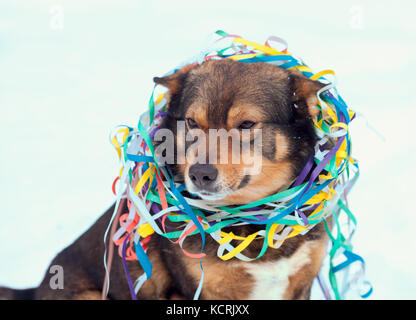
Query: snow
(64, 84)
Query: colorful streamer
(153, 196)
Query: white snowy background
(72, 70)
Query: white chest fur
(272, 278)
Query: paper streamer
(153, 196)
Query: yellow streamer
(260, 47)
(240, 247)
(145, 230)
(146, 176)
(316, 76)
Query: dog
(216, 94)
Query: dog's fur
(217, 94)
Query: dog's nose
(202, 175)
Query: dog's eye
(246, 125)
(191, 123)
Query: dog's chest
(271, 279)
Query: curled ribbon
(154, 197)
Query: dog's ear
(304, 94)
(175, 81)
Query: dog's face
(237, 98)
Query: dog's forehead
(217, 86)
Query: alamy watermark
(356, 20)
(57, 279)
(56, 20)
(211, 147)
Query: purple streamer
(323, 287)
(304, 172)
(302, 215)
(322, 165)
(129, 281)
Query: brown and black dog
(217, 94)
